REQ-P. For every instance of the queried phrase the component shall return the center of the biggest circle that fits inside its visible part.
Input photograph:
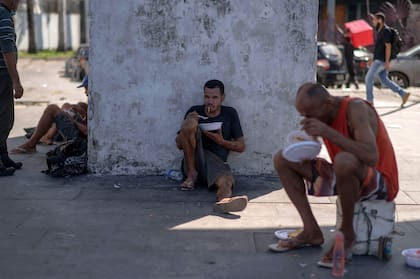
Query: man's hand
(17, 87)
(216, 137)
(314, 127)
(387, 66)
(192, 115)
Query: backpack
(396, 43)
(68, 159)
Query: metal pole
(331, 20)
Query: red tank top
(386, 164)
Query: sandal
(293, 244)
(187, 186)
(234, 204)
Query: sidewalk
(145, 227)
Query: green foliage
(47, 54)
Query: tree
(31, 27)
(61, 5)
(82, 22)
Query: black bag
(396, 43)
(68, 159)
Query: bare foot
(23, 149)
(348, 245)
(187, 185)
(46, 141)
(302, 239)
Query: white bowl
(297, 136)
(212, 126)
(412, 257)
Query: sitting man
(206, 152)
(70, 121)
(363, 162)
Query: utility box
(361, 33)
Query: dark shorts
(209, 166)
(65, 126)
(323, 182)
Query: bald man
(363, 162)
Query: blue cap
(85, 82)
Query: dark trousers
(7, 112)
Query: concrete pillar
(150, 58)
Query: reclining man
(206, 152)
(70, 122)
(363, 162)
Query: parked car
(405, 69)
(77, 66)
(331, 65)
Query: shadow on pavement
(145, 227)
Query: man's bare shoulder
(360, 112)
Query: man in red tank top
(363, 162)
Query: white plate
(303, 150)
(211, 126)
(283, 234)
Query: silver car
(405, 69)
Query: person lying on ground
(69, 121)
(363, 163)
(206, 152)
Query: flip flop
(277, 247)
(327, 262)
(286, 234)
(187, 186)
(233, 204)
(321, 263)
(21, 150)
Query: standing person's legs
(383, 75)
(370, 78)
(6, 124)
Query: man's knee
(52, 108)
(345, 164)
(189, 126)
(279, 161)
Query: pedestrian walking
(349, 56)
(381, 60)
(9, 82)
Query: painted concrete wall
(150, 59)
(46, 31)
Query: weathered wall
(150, 59)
